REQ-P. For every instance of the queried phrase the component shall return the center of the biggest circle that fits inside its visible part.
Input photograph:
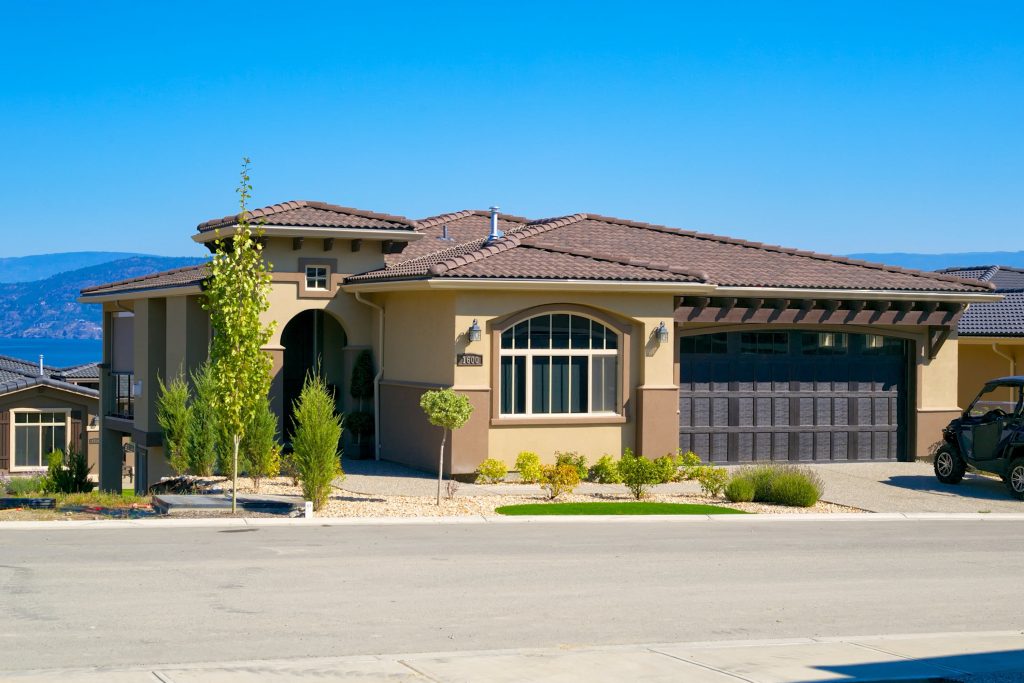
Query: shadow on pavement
(981, 488)
(1005, 661)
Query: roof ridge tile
(789, 250)
(281, 207)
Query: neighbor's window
(38, 434)
(559, 364)
(316, 277)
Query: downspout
(380, 373)
(1013, 361)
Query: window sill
(557, 420)
(41, 469)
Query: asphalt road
(178, 595)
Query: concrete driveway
(911, 487)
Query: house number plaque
(469, 360)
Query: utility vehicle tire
(949, 466)
(1015, 479)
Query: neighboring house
(581, 333)
(992, 334)
(46, 409)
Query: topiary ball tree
(449, 411)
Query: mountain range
(38, 294)
(48, 307)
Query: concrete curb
(767, 518)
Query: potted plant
(361, 422)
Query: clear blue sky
(840, 127)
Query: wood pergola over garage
(801, 379)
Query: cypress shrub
(317, 432)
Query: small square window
(316, 277)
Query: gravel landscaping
(345, 503)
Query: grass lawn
(627, 508)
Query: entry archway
(313, 341)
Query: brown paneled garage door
(792, 395)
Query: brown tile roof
(179, 277)
(315, 215)
(462, 227)
(602, 245)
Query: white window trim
(327, 277)
(67, 435)
(529, 354)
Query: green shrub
(23, 487)
(740, 490)
(796, 487)
(638, 473)
(575, 460)
(559, 479)
(68, 474)
(361, 386)
(491, 471)
(782, 484)
(259, 447)
(668, 468)
(204, 443)
(528, 466)
(317, 431)
(689, 463)
(174, 415)
(360, 423)
(605, 471)
(712, 479)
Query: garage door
(792, 396)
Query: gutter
(1013, 361)
(380, 373)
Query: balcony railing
(123, 403)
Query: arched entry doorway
(313, 341)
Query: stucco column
(110, 459)
(936, 401)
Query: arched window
(559, 363)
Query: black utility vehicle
(989, 436)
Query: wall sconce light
(474, 333)
(661, 334)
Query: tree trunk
(440, 466)
(234, 474)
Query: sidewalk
(926, 657)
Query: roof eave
(404, 234)
(141, 293)
(868, 294)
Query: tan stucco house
(991, 335)
(581, 332)
(43, 409)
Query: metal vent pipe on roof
(41, 371)
(495, 233)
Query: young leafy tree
(315, 437)
(174, 414)
(203, 441)
(236, 297)
(449, 411)
(260, 449)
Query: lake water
(56, 352)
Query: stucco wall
(649, 366)
(979, 363)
